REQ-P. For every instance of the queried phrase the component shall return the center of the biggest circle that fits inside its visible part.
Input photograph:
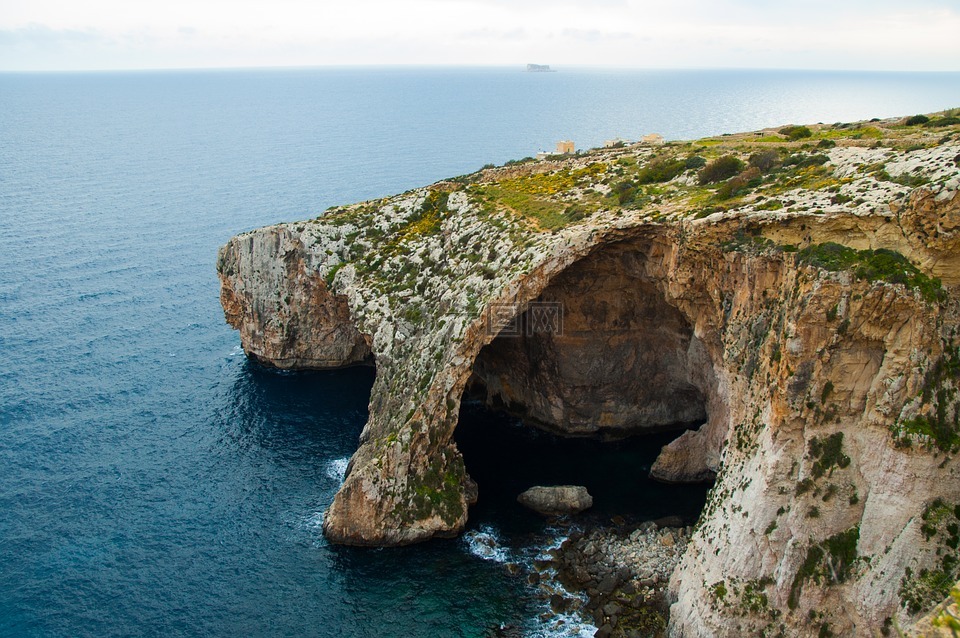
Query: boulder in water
(556, 499)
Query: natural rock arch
(801, 355)
(600, 352)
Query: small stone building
(565, 146)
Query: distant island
(539, 68)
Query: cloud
(42, 35)
(881, 34)
(488, 34)
(596, 35)
(541, 4)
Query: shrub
(625, 192)
(827, 453)
(575, 212)
(803, 161)
(943, 121)
(661, 170)
(873, 265)
(917, 119)
(720, 169)
(795, 132)
(765, 160)
(826, 144)
(695, 161)
(739, 184)
(770, 204)
(830, 561)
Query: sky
(909, 35)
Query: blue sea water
(152, 481)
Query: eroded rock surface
(828, 377)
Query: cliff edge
(794, 290)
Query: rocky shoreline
(613, 575)
(624, 573)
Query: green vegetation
(904, 179)
(719, 590)
(872, 265)
(625, 192)
(753, 600)
(770, 204)
(946, 618)
(917, 119)
(764, 161)
(332, 273)
(941, 524)
(794, 133)
(426, 220)
(661, 169)
(943, 434)
(739, 184)
(720, 169)
(831, 561)
(851, 132)
(825, 394)
(943, 121)
(438, 491)
(749, 241)
(919, 593)
(536, 196)
(827, 453)
(801, 160)
(940, 424)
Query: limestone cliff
(799, 298)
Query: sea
(153, 481)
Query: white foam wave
(337, 469)
(237, 351)
(315, 520)
(549, 624)
(563, 626)
(485, 543)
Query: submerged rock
(556, 499)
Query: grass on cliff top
(873, 265)
(570, 189)
(540, 196)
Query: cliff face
(826, 378)
(286, 316)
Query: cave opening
(584, 387)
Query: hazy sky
(813, 34)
